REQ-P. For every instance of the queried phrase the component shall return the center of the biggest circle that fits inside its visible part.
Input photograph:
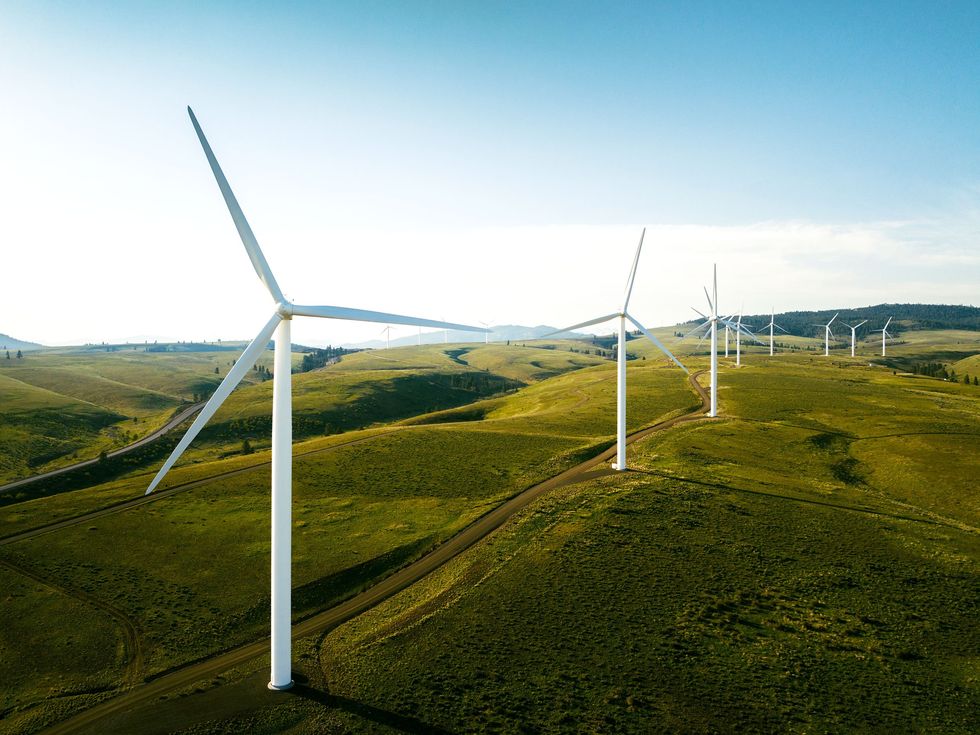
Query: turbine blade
(244, 231)
(832, 320)
(781, 329)
(703, 316)
(360, 315)
(233, 378)
(856, 326)
(657, 342)
(589, 323)
(708, 297)
(888, 322)
(696, 329)
(632, 277)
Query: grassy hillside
(104, 400)
(364, 504)
(38, 425)
(797, 566)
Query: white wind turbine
(772, 325)
(712, 322)
(486, 337)
(739, 330)
(387, 333)
(827, 335)
(279, 325)
(884, 335)
(623, 315)
(854, 333)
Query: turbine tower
(623, 315)
(486, 337)
(884, 335)
(387, 334)
(772, 325)
(278, 324)
(854, 333)
(827, 335)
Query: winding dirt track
(169, 426)
(335, 616)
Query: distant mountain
(9, 343)
(905, 317)
(500, 333)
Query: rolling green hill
(365, 503)
(105, 400)
(797, 565)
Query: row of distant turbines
(828, 334)
(279, 325)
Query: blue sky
(464, 144)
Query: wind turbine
(623, 315)
(712, 322)
(827, 335)
(884, 334)
(854, 333)
(772, 324)
(739, 330)
(386, 331)
(486, 336)
(278, 324)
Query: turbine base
(281, 687)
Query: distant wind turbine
(623, 315)
(387, 333)
(741, 329)
(827, 335)
(772, 325)
(712, 322)
(278, 324)
(884, 335)
(486, 336)
(854, 333)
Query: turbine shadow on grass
(401, 723)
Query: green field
(69, 406)
(66, 406)
(360, 511)
(809, 563)
(806, 563)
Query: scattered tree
(246, 447)
(19, 354)
(216, 370)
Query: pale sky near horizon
(481, 161)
